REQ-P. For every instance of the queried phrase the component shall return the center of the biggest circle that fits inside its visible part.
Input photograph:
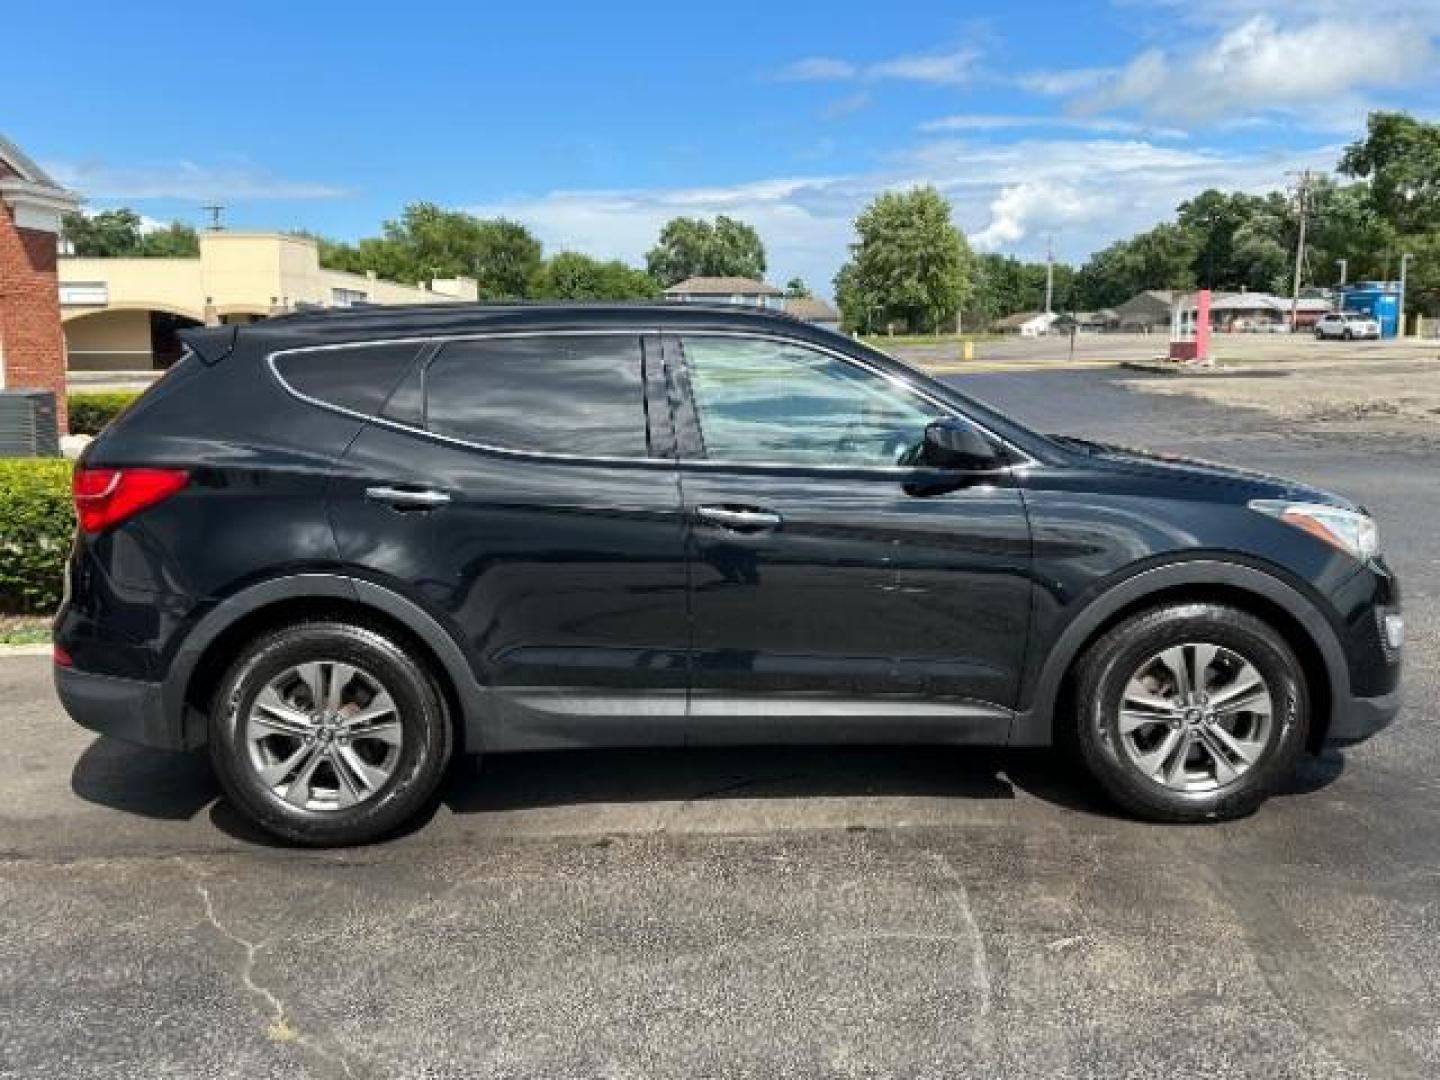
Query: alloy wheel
(1195, 717)
(324, 735)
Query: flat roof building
(122, 314)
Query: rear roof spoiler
(211, 343)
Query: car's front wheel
(1191, 712)
(329, 733)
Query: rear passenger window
(560, 394)
(356, 377)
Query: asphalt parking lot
(756, 913)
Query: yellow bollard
(967, 350)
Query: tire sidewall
(424, 752)
(1120, 655)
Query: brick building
(32, 346)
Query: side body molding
(1035, 724)
(319, 586)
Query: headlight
(1348, 530)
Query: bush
(37, 522)
(91, 410)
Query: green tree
(570, 275)
(910, 264)
(174, 241)
(121, 233)
(1162, 258)
(796, 289)
(1005, 285)
(1400, 156)
(429, 242)
(694, 247)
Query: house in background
(1086, 322)
(1147, 312)
(812, 310)
(123, 314)
(32, 348)
(1027, 323)
(726, 290)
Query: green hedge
(37, 522)
(91, 410)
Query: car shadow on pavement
(162, 784)
(179, 786)
(571, 778)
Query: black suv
(340, 547)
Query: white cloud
(949, 68)
(1010, 121)
(1064, 83)
(817, 69)
(237, 180)
(1262, 63)
(944, 69)
(1087, 192)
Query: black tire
(421, 760)
(1349, 335)
(1319, 335)
(1109, 664)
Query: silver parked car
(1347, 325)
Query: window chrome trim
(271, 361)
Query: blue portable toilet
(1378, 299)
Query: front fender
(1034, 725)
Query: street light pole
(1404, 264)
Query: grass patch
(24, 630)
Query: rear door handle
(407, 498)
(738, 519)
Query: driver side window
(771, 401)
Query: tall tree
(1400, 155)
(573, 276)
(910, 264)
(1162, 258)
(694, 247)
(122, 232)
(429, 242)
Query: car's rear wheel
(1191, 712)
(328, 733)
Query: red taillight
(62, 658)
(105, 497)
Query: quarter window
(558, 394)
(359, 377)
(768, 401)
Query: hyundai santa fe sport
(339, 548)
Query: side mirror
(953, 443)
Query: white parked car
(1347, 325)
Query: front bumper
(1355, 719)
(125, 709)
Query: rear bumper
(125, 709)
(1355, 719)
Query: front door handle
(408, 498)
(738, 519)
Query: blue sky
(594, 122)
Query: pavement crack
(279, 1029)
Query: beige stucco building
(122, 314)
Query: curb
(42, 649)
(1196, 371)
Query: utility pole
(1344, 265)
(214, 210)
(1404, 265)
(1049, 274)
(1302, 190)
